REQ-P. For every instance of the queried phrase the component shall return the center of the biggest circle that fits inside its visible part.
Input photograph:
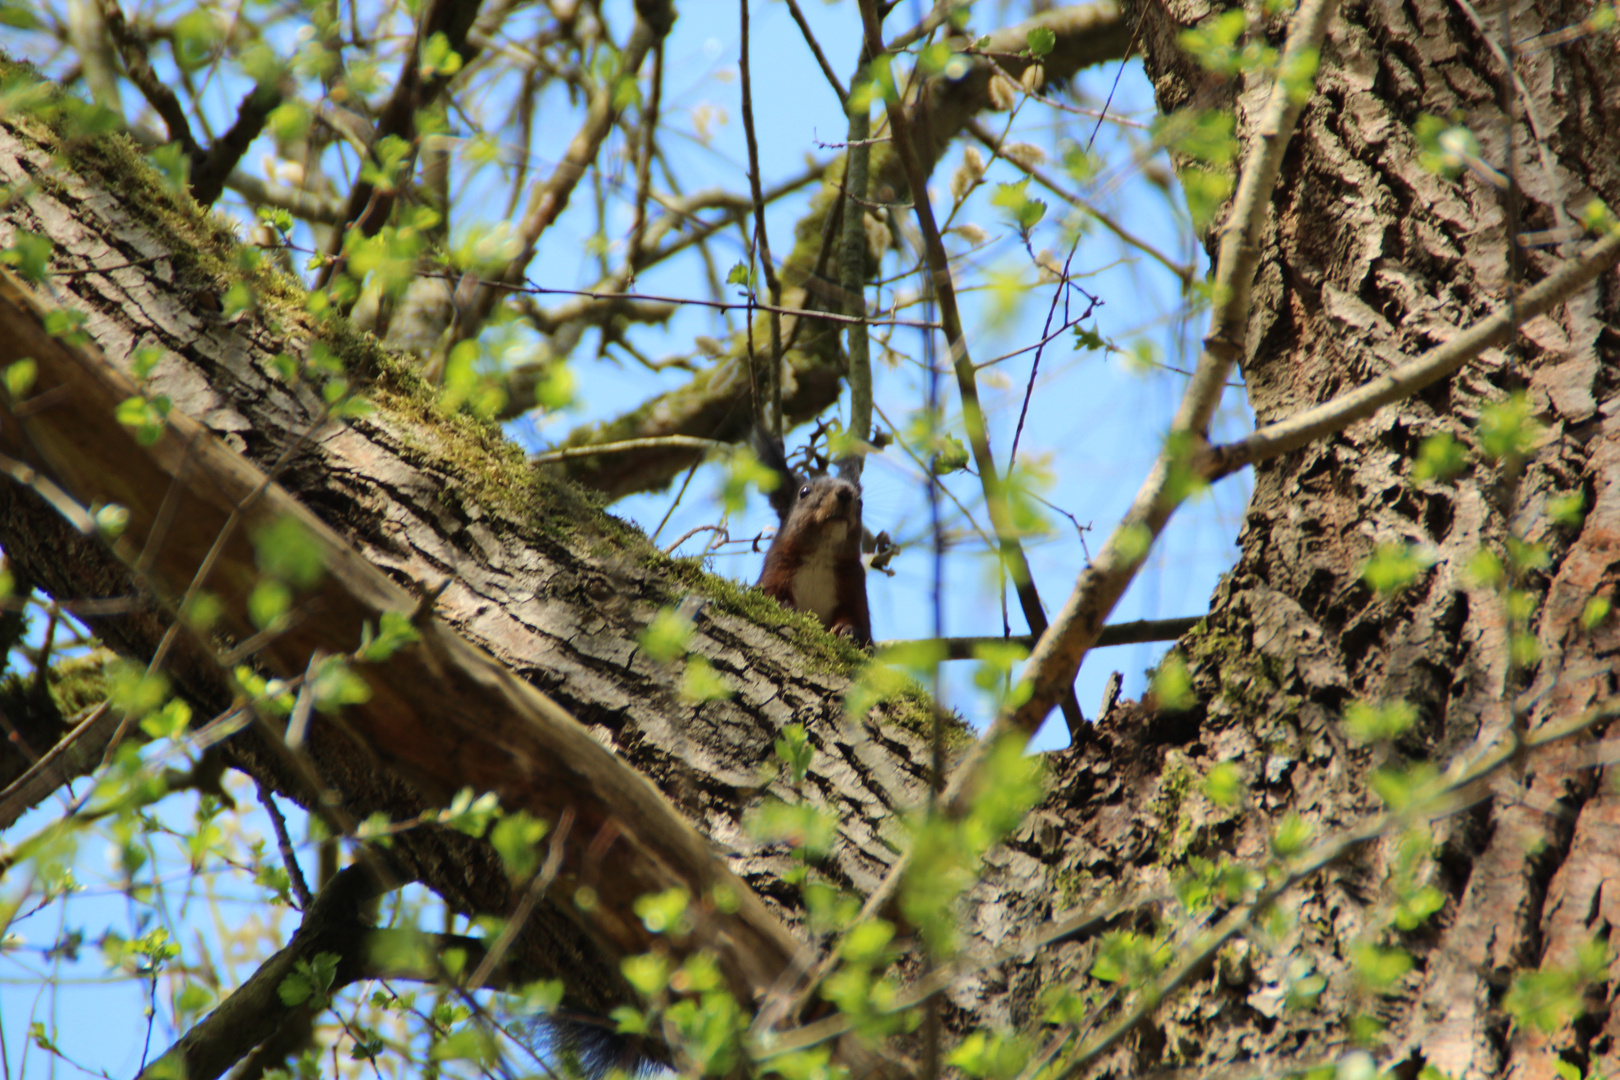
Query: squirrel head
(817, 511)
(821, 512)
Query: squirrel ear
(849, 468)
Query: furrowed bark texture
(1372, 257)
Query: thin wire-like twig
(762, 241)
(798, 313)
(289, 858)
(815, 49)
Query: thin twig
(532, 896)
(721, 536)
(676, 501)
(215, 553)
(1182, 271)
(1130, 633)
(852, 271)
(799, 313)
(46, 488)
(815, 48)
(938, 483)
(1012, 552)
(289, 858)
(773, 284)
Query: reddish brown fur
(810, 566)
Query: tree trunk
(1371, 257)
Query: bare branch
(369, 207)
(1132, 633)
(762, 243)
(316, 209)
(76, 753)
(158, 94)
(572, 452)
(1406, 380)
(852, 273)
(1057, 656)
(213, 169)
(939, 270)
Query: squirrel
(814, 563)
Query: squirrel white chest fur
(815, 585)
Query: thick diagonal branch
(442, 713)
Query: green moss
(489, 469)
(1175, 838)
(1076, 887)
(1246, 683)
(78, 683)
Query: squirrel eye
(804, 492)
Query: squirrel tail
(591, 1048)
(773, 456)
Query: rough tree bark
(1371, 258)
